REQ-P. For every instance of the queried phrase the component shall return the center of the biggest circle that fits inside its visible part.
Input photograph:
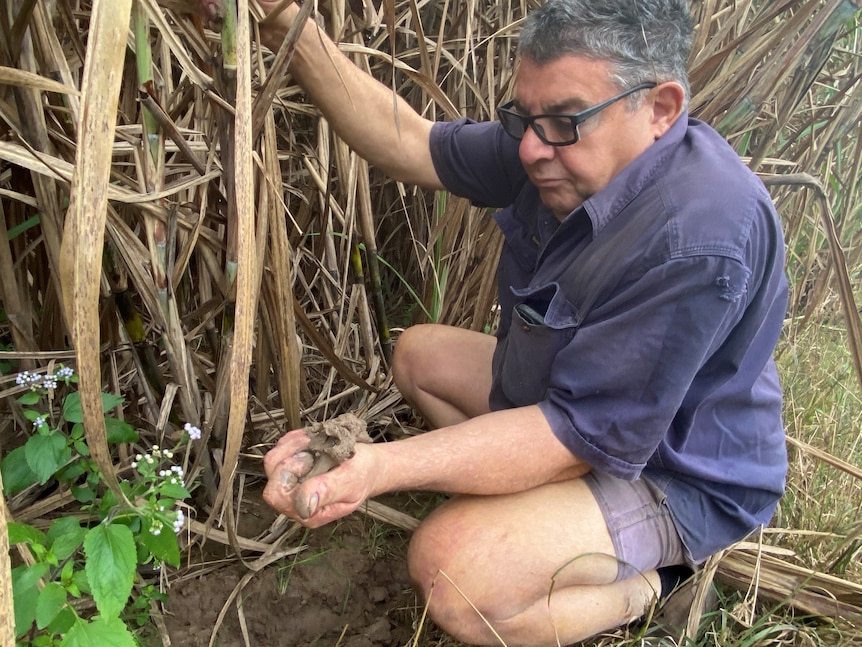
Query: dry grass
(237, 227)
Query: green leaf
(83, 494)
(21, 227)
(79, 579)
(164, 546)
(29, 398)
(17, 474)
(64, 621)
(120, 431)
(72, 405)
(173, 491)
(46, 454)
(70, 472)
(25, 594)
(66, 535)
(51, 601)
(98, 632)
(32, 414)
(21, 533)
(110, 566)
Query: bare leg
(445, 372)
(538, 565)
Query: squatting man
(643, 438)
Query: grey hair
(643, 40)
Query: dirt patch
(348, 588)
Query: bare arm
(378, 125)
(497, 453)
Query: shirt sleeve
(616, 388)
(477, 161)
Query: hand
(213, 11)
(320, 499)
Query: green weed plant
(92, 559)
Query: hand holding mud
(320, 473)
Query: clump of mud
(334, 441)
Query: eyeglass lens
(556, 130)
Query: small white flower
(39, 421)
(134, 464)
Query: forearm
(374, 121)
(500, 452)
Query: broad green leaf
(17, 474)
(21, 533)
(173, 491)
(70, 472)
(25, 594)
(46, 454)
(51, 601)
(110, 566)
(72, 405)
(29, 398)
(99, 632)
(83, 494)
(120, 431)
(66, 535)
(164, 546)
(64, 621)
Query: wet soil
(348, 587)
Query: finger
(291, 443)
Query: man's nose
(533, 149)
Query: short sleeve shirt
(670, 375)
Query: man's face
(568, 175)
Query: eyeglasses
(560, 129)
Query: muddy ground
(349, 587)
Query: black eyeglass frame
(505, 112)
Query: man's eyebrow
(564, 106)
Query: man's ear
(668, 102)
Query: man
(587, 458)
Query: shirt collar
(628, 183)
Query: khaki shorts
(639, 522)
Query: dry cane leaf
(83, 239)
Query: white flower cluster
(174, 474)
(47, 381)
(179, 522)
(39, 421)
(193, 432)
(27, 378)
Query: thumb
(306, 502)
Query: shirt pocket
(543, 323)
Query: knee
(439, 566)
(411, 356)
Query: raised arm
(379, 126)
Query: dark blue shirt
(671, 375)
